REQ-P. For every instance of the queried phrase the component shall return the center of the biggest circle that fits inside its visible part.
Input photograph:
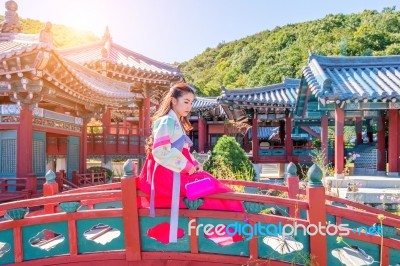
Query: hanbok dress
(165, 173)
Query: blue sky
(177, 30)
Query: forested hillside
(63, 36)
(269, 56)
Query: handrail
(360, 216)
(101, 187)
(68, 182)
(360, 206)
(254, 184)
(60, 198)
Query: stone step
(269, 168)
(269, 171)
(364, 182)
(375, 196)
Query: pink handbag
(200, 188)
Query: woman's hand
(192, 170)
(199, 168)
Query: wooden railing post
(105, 176)
(317, 215)
(292, 182)
(31, 183)
(75, 178)
(50, 188)
(59, 181)
(3, 186)
(130, 213)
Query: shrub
(99, 169)
(228, 160)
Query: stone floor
(367, 189)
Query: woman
(169, 165)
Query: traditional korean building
(355, 91)
(49, 95)
(209, 123)
(269, 112)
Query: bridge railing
(117, 227)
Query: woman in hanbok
(170, 166)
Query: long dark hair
(176, 91)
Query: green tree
(228, 161)
(268, 56)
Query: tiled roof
(204, 103)
(263, 132)
(354, 78)
(11, 45)
(100, 84)
(118, 55)
(278, 94)
(104, 90)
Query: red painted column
(106, 120)
(339, 142)
(398, 143)
(359, 139)
(393, 140)
(281, 132)
(324, 137)
(202, 133)
(141, 119)
(370, 133)
(24, 142)
(288, 137)
(84, 150)
(146, 114)
(381, 143)
(255, 137)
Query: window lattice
(73, 162)
(38, 159)
(8, 156)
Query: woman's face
(183, 105)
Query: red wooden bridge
(110, 228)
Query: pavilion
(49, 95)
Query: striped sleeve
(163, 152)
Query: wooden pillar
(370, 133)
(124, 126)
(288, 137)
(83, 147)
(381, 167)
(246, 142)
(31, 183)
(281, 132)
(202, 133)
(255, 137)
(398, 143)
(24, 142)
(324, 137)
(359, 139)
(146, 114)
(393, 140)
(339, 142)
(106, 120)
(141, 119)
